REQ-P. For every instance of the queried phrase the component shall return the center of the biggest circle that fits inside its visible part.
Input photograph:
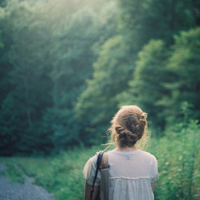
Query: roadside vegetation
(178, 161)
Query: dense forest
(66, 66)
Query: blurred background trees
(67, 66)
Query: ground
(19, 191)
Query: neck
(126, 148)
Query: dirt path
(18, 191)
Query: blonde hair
(128, 126)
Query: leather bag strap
(99, 160)
(104, 184)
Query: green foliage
(26, 76)
(147, 86)
(98, 104)
(67, 66)
(13, 172)
(9, 126)
(184, 64)
(178, 163)
(143, 20)
(72, 67)
(164, 79)
(2, 2)
(1, 44)
(48, 48)
(60, 175)
(140, 21)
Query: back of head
(128, 125)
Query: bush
(178, 162)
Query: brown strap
(104, 161)
(105, 177)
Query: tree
(26, 74)
(147, 85)
(50, 47)
(97, 104)
(184, 64)
(71, 67)
(143, 20)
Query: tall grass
(178, 161)
(60, 175)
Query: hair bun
(126, 137)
